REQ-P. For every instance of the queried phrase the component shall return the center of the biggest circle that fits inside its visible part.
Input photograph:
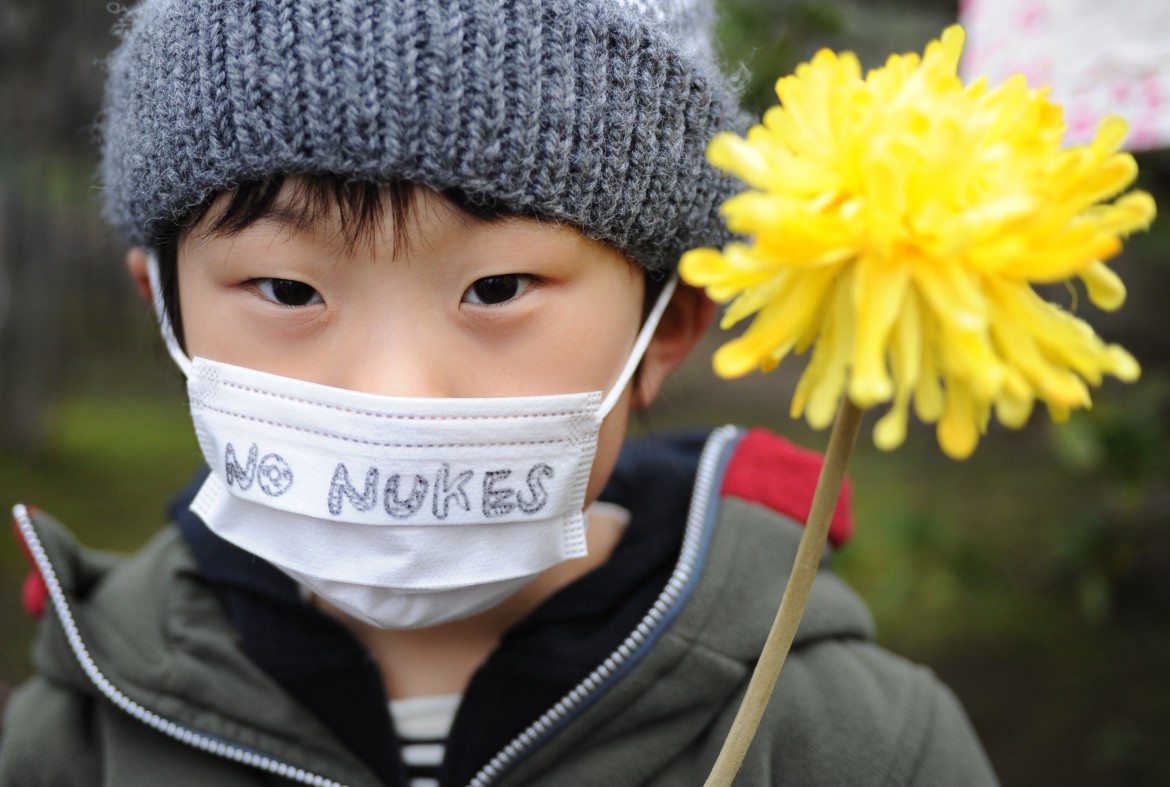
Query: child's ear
(136, 264)
(686, 319)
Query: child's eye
(493, 290)
(287, 292)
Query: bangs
(355, 209)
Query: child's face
(464, 309)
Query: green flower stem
(804, 570)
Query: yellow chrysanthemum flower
(898, 222)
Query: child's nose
(407, 366)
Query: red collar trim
(772, 472)
(34, 593)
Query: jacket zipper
(177, 731)
(695, 538)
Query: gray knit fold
(590, 112)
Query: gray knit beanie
(590, 112)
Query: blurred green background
(1034, 577)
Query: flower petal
(1104, 286)
(961, 423)
(879, 290)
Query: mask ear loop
(640, 345)
(164, 322)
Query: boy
(408, 255)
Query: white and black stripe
(423, 725)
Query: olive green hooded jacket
(140, 681)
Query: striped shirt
(423, 724)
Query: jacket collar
(142, 634)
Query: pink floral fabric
(1099, 57)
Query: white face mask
(402, 512)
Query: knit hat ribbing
(591, 112)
